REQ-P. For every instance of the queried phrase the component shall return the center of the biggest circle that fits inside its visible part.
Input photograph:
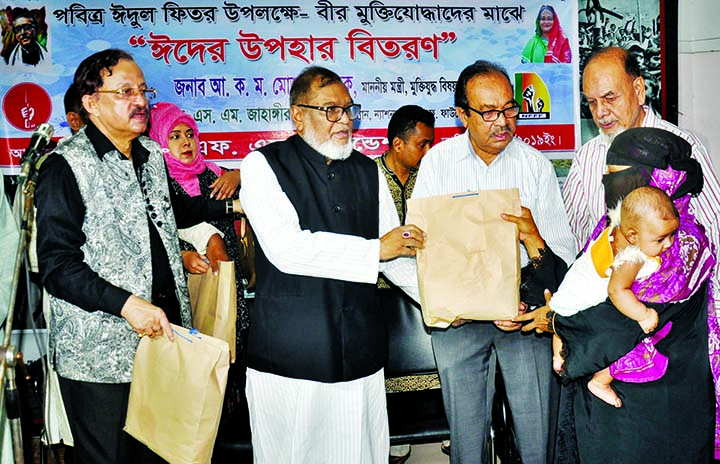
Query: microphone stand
(9, 353)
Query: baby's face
(656, 235)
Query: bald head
(619, 56)
(645, 203)
(649, 220)
(614, 90)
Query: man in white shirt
(487, 156)
(615, 92)
(324, 220)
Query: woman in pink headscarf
(177, 133)
(549, 44)
(191, 175)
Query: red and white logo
(26, 106)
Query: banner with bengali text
(231, 64)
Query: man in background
(73, 109)
(615, 91)
(410, 135)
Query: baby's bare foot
(558, 362)
(604, 392)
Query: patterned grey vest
(98, 346)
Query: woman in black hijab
(670, 420)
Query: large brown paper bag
(214, 303)
(469, 267)
(176, 395)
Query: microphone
(39, 140)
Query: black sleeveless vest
(313, 328)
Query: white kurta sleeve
(198, 235)
(291, 249)
(401, 271)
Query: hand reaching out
(538, 318)
(511, 325)
(528, 232)
(401, 241)
(225, 185)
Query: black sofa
(415, 416)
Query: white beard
(607, 139)
(329, 149)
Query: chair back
(410, 344)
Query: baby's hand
(650, 322)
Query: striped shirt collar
(469, 153)
(651, 118)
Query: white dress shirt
(453, 167)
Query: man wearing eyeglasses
(488, 156)
(326, 225)
(108, 253)
(28, 50)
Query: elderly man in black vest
(326, 225)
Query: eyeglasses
(20, 28)
(128, 93)
(335, 113)
(493, 115)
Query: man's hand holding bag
(469, 267)
(176, 395)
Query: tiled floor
(431, 454)
(427, 454)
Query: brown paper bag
(214, 303)
(469, 267)
(176, 395)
